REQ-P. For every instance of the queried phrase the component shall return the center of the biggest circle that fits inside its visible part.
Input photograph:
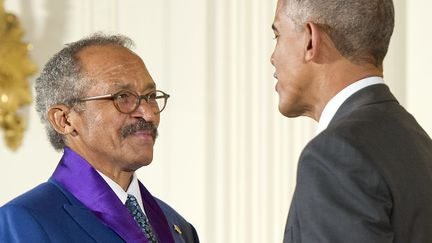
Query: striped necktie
(142, 220)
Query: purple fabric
(156, 216)
(77, 176)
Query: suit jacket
(51, 213)
(367, 178)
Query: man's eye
(152, 96)
(275, 37)
(124, 97)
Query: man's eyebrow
(274, 28)
(151, 85)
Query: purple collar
(78, 177)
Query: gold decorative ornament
(15, 67)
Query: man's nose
(145, 111)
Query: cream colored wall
(418, 62)
(225, 158)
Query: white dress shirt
(334, 104)
(133, 189)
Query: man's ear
(58, 116)
(313, 41)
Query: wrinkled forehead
(97, 59)
(112, 65)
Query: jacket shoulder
(21, 213)
(178, 224)
(45, 195)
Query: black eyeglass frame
(139, 97)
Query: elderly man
(367, 175)
(101, 107)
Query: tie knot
(132, 205)
(131, 198)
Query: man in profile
(101, 107)
(367, 175)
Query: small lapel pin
(177, 229)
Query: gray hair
(62, 80)
(360, 29)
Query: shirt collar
(133, 189)
(333, 105)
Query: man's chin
(290, 113)
(141, 163)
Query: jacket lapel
(156, 216)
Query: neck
(123, 179)
(337, 76)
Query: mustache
(140, 125)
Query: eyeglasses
(126, 101)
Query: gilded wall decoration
(15, 67)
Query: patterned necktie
(142, 220)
